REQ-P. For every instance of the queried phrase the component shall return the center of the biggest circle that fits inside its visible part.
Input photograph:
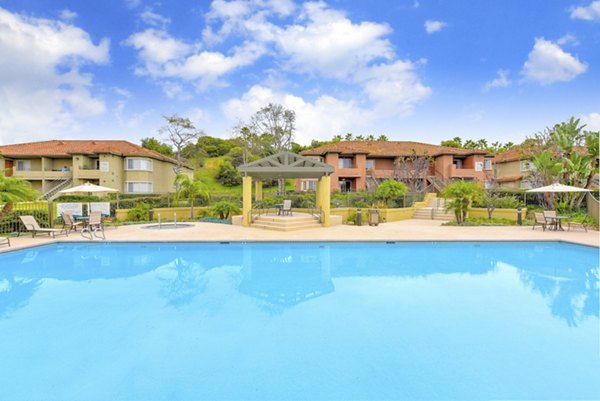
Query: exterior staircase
(435, 209)
(298, 221)
(372, 183)
(436, 182)
(53, 193)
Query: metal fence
(9, 215)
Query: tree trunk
(8, 207)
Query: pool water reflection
(304, 321)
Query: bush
(389, 190)
(228, 175)
(223, 210)
(12, 224)
(140, 212)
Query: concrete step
(424, 213)
(298, 221)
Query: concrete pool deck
(406, 230)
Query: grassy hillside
(208, 173)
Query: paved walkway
(407, 230)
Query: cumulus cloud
(434, 26)
(548, 63)
(153, 19)
(322, 118)
(330, 44)
(501, 81)
(40, 76)
(592, 121)
(590, 12)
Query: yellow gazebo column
(318, 194)
(258, 193)
(326, 199)
(246, 200)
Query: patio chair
(287, 207)
(540, 220)
(69, 222)
(4, 241)
(550, 216)
(94, 226)
(31, 224)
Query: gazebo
(286, 165)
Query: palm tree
(462, 194)
(190, 189)
(14, 189)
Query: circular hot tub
(168, 226)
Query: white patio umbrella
(87, 189)
(556, 187)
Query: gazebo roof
(286, 165)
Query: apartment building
(512, 168)
(359, 165)
(54, 165)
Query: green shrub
(140, 212)
(224, 210)
(228, 175)
(12, 224)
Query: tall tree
(180, 132)
(276, 124)
(191, 189)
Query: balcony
(454, 172)
(349, 172)
(384, 174)
(42, 175)
(89, 174)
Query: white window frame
(134, 183)
(138, 164)
(23, 165)
(342, 160)
(487, 164)
(370, 164)
(308, 185)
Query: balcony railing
(42, 175)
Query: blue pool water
(310, 321)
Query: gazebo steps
(297, 221)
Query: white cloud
(156, 48)
(153, 19)
(331, 44)
(321, 119)
(393, 88)
(434, 26)
(67, 15)
(568, 39)
(548, 63)
(592, 122)
(587, 13)
(501, 81)
(42, 90)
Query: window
(478, 166)
(345, 162)
(308, 185)
(370, 164)
(138, 164)
(139, 187)
(526, 165)
(24, 165)
(487, 164)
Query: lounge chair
(287, 207)
(540, 220)
(94, 226)
(69, 222)
(31, 224)
(4, 241)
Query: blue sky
(419, 70)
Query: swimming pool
(190, 321)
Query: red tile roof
(390, 149)
(510, 178)
(66, 148)
(514, 154)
